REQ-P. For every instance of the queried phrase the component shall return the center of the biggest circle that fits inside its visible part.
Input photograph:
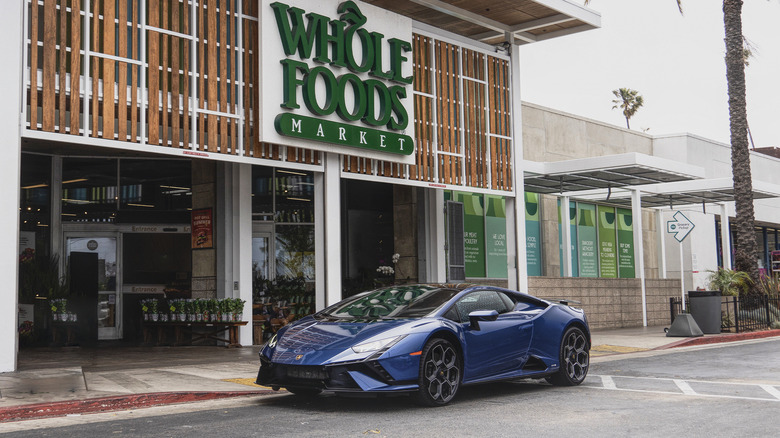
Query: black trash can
(705, 309)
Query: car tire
(303, 392)
(441, 371)
(574, 359)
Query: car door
(498, 346)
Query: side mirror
(481, 315)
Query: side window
(480, 300)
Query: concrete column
(10, 108)
(511, 249)
(436, 257)
(204, 261)
(725, 235)
(332, 222)
(639, 249)
(517, 167)
(566, 263)
(661, 227)
(242, 244)
(319, 241)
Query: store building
(224, 149)
(192, 149)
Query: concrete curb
(114, 403)
(718, 339)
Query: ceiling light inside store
(76, 201)
(36, 186)
(174, 187)
(299, 199)
(291, 172)
(141, 205)
(74, 180)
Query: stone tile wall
(609, 302)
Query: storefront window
(295, 251)
(89, 191)
(126, 190)
(294, 197)
(34, 210)
(156, 187)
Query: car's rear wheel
(440, 373)
(574, 359)
(304, 392)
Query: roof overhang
(697, 192)
(608, 172)
(492, 21)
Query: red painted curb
(114, 403)
(717, 339)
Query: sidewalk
(60, 381)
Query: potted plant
(238, 309)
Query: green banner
(474, 233)
(607, 242)
(495, 227)
(533, 231)
(343, 134)
(625, 236)
(586, 240)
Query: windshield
(392, 302)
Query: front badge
(299, 357)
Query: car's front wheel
(440, 373)
(574, 359)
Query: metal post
(661, 243)
(332, 220)
(682, 276)
(725, 235)
(639, 249)
(517, 165)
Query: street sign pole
(681, 227)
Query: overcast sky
(675, 62)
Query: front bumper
(359, 376)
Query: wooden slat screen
(461, 119)
(225, 32)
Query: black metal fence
(739, 314)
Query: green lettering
(376, 70)
(397, 58)
(335, 39)
(310, 95)
(294, 36)
(359, 107)
(401, 120)
(376, 88)
(290, 85)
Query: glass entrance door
(93, 259)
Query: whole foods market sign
(336, 75)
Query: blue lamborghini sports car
(428, 340)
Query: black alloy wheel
(574, 359)
(440, 373)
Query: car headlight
(272, 342)
(375, 345)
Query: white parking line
(772, 390)
(684, 387)
(729, 388)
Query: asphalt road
(724, 390)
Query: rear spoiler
(567, 302)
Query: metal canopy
(610, 172)
(490, 20)
(680, 193)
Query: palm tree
(629, 101)
(745, 253)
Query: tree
(629, 101)
(737, 52)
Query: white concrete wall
(10, 108)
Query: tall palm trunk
(745, 254)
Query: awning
(608, 172)
(489, 20)
(674, 194)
